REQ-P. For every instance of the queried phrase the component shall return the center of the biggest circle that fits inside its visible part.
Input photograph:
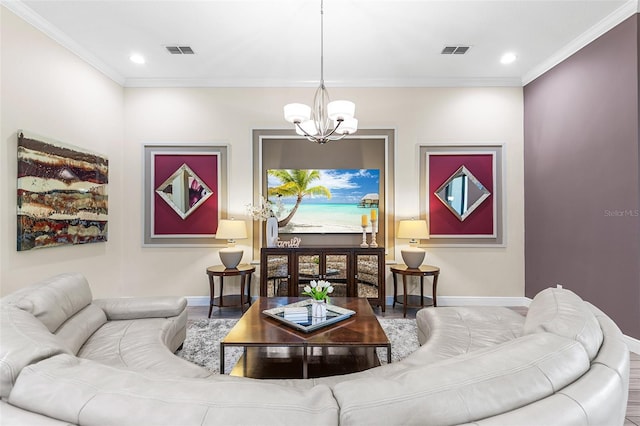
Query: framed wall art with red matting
(461, 194)
(185, 188)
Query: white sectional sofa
(67, 359)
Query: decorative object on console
(413, 230)
(231, 230)
(62, 194)
(364, 231)
(265, 212)
(292, 243)
(374, 228)
(272, 231)
(316, 124)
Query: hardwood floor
(633, 406)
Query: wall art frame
(62, 196)
(184, 193)
(374, 149)
(484, 227)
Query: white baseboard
(197, 300)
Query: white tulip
(330, 289)
(307, 289)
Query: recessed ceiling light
(508, 58)
(137, 59)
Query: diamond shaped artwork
(462, 193)
(184, 191)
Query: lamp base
(230, 257)
(413, 257)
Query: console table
(352, 271)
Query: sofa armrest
(124, 308)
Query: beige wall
(421, 115)
(51, 92)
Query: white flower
(330, 289)
(307, 289)
(265, 209)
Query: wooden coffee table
(273, 350)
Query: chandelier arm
(307, 135)
(328, 135)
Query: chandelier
(326, 121)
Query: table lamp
(231, 230)
(413, 230)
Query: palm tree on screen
(296, 183)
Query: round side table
(405, 271)
(245, 272)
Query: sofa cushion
(24, 340)
(13, 416)
(55, 300)
(446, 332)
(84, 392)
(562, 312)
(124, 308)
(77, 329)
(466, 388)
(140, 345)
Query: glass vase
(319, 309)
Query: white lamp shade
(349, 126)
(231, 230)
(297, 113)
(341, 110)
(413, 229)
(308, 126)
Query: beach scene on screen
(323, 201)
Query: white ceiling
(374, 43)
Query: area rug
(202, 345)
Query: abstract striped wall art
(62, 194)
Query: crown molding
(279, 83)
(30, 16)
(613, 19)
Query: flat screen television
(323, 201)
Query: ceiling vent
(454, 50)
(180, 50)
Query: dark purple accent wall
(581, 177)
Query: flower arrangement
(318, 290)
(265, 209)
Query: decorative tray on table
(294, 315)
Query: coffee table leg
(305, 363)
(244, 362)
(221, 358)
(389, 353)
